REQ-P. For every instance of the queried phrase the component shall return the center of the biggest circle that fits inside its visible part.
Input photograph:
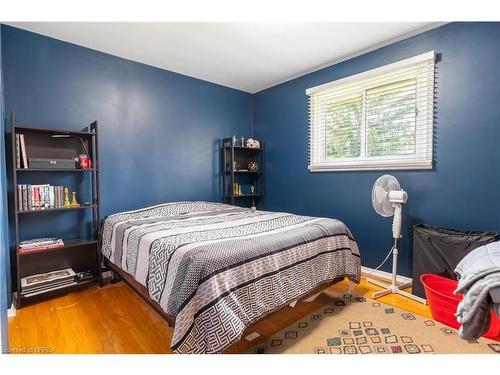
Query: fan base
(396, 289)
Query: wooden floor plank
(113, 319)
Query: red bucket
(443, 303)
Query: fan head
(380, 194)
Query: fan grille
(380, 191)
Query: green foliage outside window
(343, 128)
(389, 120)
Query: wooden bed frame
(143, 293)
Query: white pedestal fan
(387, 198)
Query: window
(379, 119)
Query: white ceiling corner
(245, 56)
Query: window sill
(370, 167)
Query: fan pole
(394, 288)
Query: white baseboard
(11, 312)
(383, 275)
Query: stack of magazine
(32, 246)
(45, 282)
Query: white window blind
(379, 119)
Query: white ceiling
(244, 56)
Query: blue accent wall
(4, 241)
(463, 189)
(158, 129)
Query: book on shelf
(32, 246)
(39, 197)
(47, 288)
(19, 197)
(23, 152)
(18, 151)
(25, 197)
(46, 281)
(38, 241)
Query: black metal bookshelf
(235, 159)
(80, 254)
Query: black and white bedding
(219, 268)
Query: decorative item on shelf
(252, 166)
(239, 190)
(74, 203)
(242, 142)
(253, 143)
(83, 161)
(252, 189)
(234, 140)
(253, 208)
(66, 198)
(235, 166)
(84, 275)
(236, 188)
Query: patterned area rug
(358, 325)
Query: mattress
(219, 268)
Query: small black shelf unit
(234, 169)
(80, 254)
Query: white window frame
(363, 82)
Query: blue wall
(463, 190)
(4, 242)
(158, 130)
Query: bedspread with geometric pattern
(219, 268)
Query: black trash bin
(438, 251)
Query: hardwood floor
(113, 319)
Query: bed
(213, 269)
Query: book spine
(39, 248)
(42, 197)
(28, 196)
(40, 242)
(18, 152)
(52, 197)
(47, 196)
(19, 198)
(31, 294)
(25, 197)
(23, 151)
(37, 197)
(60, 197)
(32, 198)
(45, 287)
